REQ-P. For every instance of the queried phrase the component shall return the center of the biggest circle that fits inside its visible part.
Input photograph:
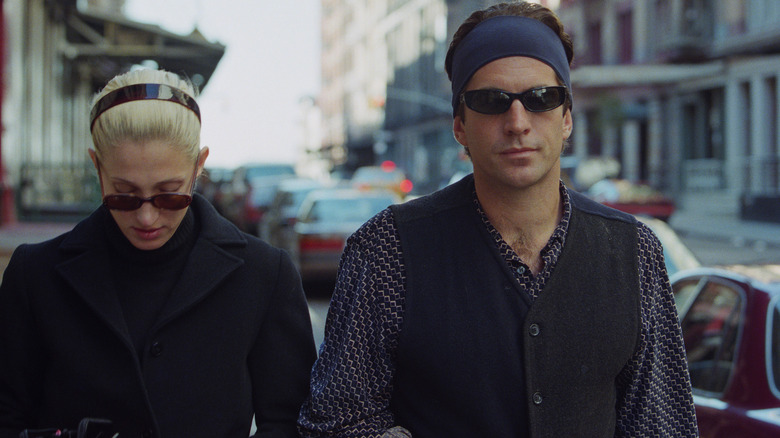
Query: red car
(730, 319)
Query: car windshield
(346, 210)
(269, 170)
(376, 175)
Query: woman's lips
(150, 234)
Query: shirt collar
(559, 235)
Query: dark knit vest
(477, 358)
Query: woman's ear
(202, 155)
(93, 157)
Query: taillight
(406, 186)
(320, 243)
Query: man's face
(517, 149)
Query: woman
(154, 312)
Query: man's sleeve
(654, 391)
(351, 381)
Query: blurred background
(318, 113)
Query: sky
(250, 105)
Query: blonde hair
(147, 119)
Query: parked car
(212, 184)
(730, 319)
(250, 192)
(633, 198)
(276, 227)
(676, 254)
(384, 177)
(325, 220)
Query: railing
(703, 174)
(53, 191)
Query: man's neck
(525, 218)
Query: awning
(607, 76)
(112, 43)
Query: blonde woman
(154, 313)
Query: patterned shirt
(352, 380)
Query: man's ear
(458, 131)
(568, 125)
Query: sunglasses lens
(168, 201)
(544, 99)
(122, 202)
(487, 101)
(497, 102)
(171, 201)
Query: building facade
(58, 54)
(385, 94)
(684, 93)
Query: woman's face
(146, 169)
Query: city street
(709, 248)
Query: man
(505, 304)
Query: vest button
(156, 349)
(521, 270)
(534, 330)
(537, 398)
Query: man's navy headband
(501, 37)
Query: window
(684, 293)
(710, 328)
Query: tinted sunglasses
(535, 100)
(128, 202)
(167, 201)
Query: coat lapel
(209, 262)
(206, 268)
(89, 275)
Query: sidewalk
(13, 235)
(716, 218)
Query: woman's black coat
(233, 340)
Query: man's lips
(517, 151)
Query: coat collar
(86, 266)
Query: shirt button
(537, 398)
(156, 349)
(521, 270)
(534, 330)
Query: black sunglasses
(535, 100)
(167, 201)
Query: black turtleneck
(144, 279)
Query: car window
(346, 210)
(710, 328)
(774, 348)
(684, 293)
(269, 170)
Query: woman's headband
(501, 37)
(142, 92)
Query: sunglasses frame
(465, 98)
(153, 199)
(139, 201)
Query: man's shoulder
(453, 196)
(583, 204)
